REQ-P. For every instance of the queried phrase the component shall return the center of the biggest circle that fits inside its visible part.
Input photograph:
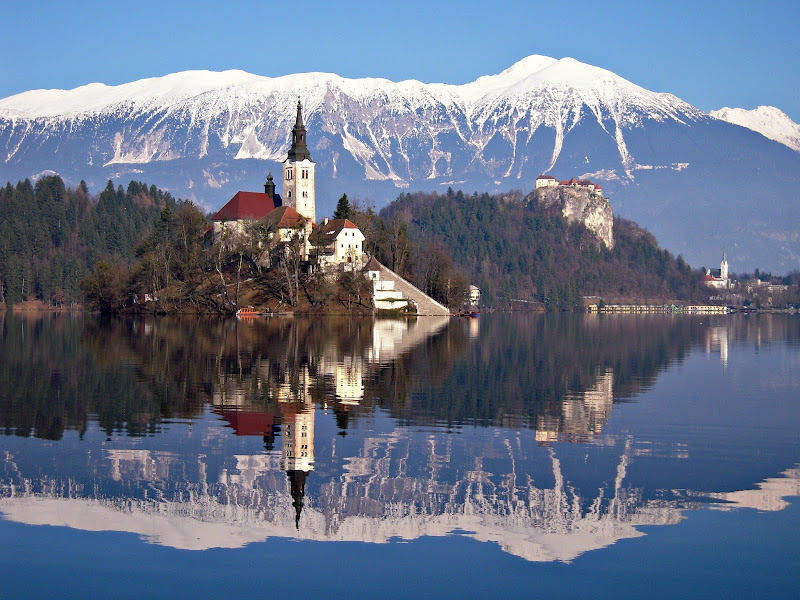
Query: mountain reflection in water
(216, 433)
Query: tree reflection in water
(451, 426)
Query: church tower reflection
(297, 449)
(717, 337)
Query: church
(298, 200)
(718, 279)
(334, 244)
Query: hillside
(519, 249)
(52, 236)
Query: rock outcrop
(580, 204)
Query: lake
(508, 455)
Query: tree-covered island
(140, 249)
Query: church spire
(297, 484)
(298, 150)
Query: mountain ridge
(204, 135)
(769, 121)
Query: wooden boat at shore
(247, 312)
(250, 312)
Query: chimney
(325, 220)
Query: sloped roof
(285, 217)
(247, 205)
(332, 228)
(546, 177)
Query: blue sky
(710, 54)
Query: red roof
(285, 217)
(246, 205)
(250, 423)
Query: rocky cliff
(580, 204)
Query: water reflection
(218, 434)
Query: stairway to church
(425, 304)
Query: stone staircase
(424, 303)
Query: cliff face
(577, 204)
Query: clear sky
(710, 54)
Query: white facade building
(546, 181)
(341, 242)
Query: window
(304, 174)
(288, 173)
(290, 193)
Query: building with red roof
(292, 218)
(340, 241)
(246, 206)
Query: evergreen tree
(52, 236)
(343, 209)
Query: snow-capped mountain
(693, 180)
(769, 121)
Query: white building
(339, 241)
(546, 181)
(474, 296)
(384, 294)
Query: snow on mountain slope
(170, 90)
(379, 123)
(204, 135)
(769, 121)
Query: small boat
(248, 311)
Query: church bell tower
(298, 172)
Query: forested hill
(513, 249)
(51, 236)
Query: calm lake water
(509, 455)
